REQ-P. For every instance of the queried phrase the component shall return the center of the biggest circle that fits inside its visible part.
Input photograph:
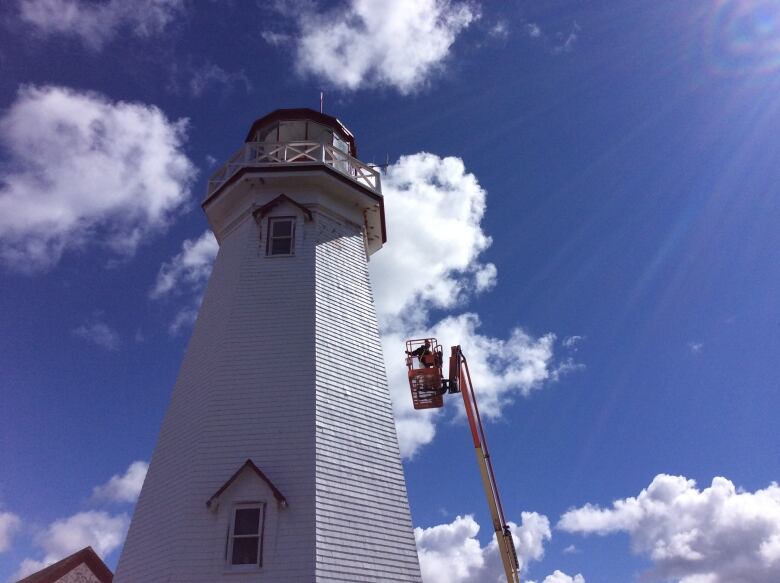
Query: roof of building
(249, 465)
(261, 211)
(304, 113)
(54, 572)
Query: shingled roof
(55, 572)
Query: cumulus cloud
(84, 170)
(96, 23)
(100, 530)
(434, 211)
(451, 553)
(561, 577)
(186, 275)
(100, 334)
(718, 534)
(432, 261)
(9, 524)
(188, 270)
(375, 43)
(125, 487)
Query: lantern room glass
(302, 130)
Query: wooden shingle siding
(284, 367)
(364, 530)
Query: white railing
(261, 154)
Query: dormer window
(245, 543)
(281, 236)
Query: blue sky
(593, 188)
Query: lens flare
(745, 36)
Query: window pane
(319, 133)
(247, 521)
(281, 246)
(267, 134)
(340, 144)
(292, 131)
(245, 551)
(282, 229)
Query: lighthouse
(278, 460)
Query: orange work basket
(424, 369)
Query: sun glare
(746, 36)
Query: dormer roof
(249, 465)
(260, 212)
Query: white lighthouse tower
(278, 458)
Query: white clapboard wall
(284, 368)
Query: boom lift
(428, 387)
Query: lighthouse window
(292, 131)
(281, 235)
(245, 546)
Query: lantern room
(296, 125)
(302, 125)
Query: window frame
(231, 536)
(270, 237)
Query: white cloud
(196, 77)
(85, 170)
(561, 577)
(565, 42)
(695, 347)
(716, 535)
(451, 553)
(9, 524)
(557, 43)
(373, 42)
(533, 30)
(189, 270)
(571, 550)
(431, 262)
(103, 531)
(184, 318)
(500, 30)
(572, 341)
(100, 334)
(125, 487)
(434, 209)
(210, 74)
(186, 274)
(276, 38)
(100, 530)
(96, 23)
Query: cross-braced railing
(260, 154)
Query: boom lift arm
(428, 386)
(460, 378)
